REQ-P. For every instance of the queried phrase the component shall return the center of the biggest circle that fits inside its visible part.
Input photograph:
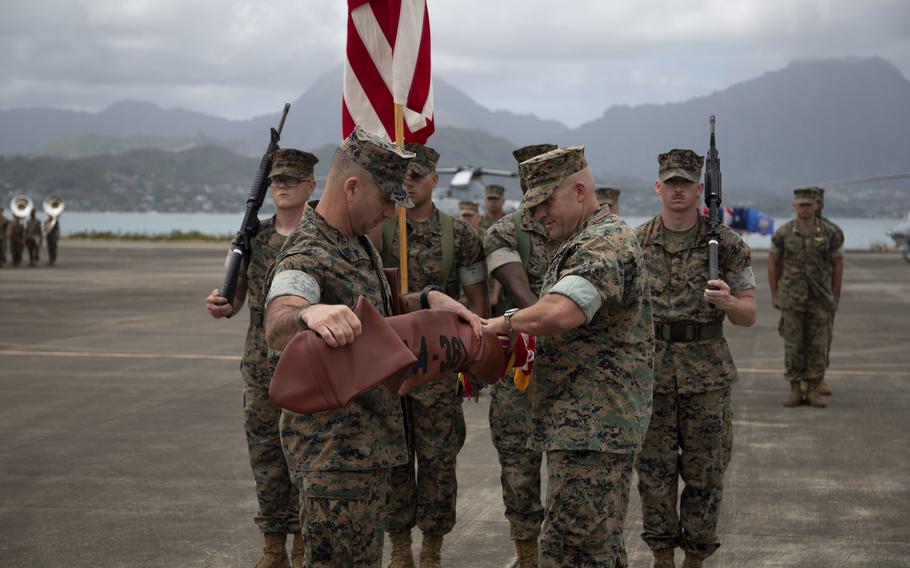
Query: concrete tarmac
(121, 442)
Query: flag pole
(402, 219)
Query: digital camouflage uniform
(690, 435)
(275, 490)
(33, 240)
(425, 496)
(608, 196)
(805, 296)
(591, 387)
(342, 458)
(509, 407)
(486, 221)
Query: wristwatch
(425, 296)
(507, 316)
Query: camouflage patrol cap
(545, 172)
(808, 195)
(425, 158)
(291, 162)
(685, 164)
(468, 207)
(386, 162)
(494, 190)
(607, 195)
(528, 152)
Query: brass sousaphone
(53, 206)
(21, 206)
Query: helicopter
(466, 184)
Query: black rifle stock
(240, 246)
(712, 201)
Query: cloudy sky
(566, 60)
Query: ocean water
(859, 234)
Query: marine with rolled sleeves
(590, 395)
(446, 252)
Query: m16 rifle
(240, 246)
(712, 201)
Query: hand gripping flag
(388, 63)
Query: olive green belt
(685, 331)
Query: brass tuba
(53, 207)
(21, 206)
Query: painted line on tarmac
(866, 370)
(117, 355)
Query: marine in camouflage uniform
(590, 391)
(609, 196)
(292, 183)
(33, 238)
(690, 435)
(805, 270)
(469, 212)
(342, 459)
(493, 201)
(510, 424)
(423, 491)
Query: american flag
(388, 63)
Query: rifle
(240, 246)
(712, 201)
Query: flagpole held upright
(402, 219)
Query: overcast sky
(566, 60)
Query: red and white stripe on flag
(388, 62)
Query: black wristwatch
(425, 296)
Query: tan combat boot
(663, 558)
(823, 388)
(273, 554)
(693, 561)
(526, 553)
(401, 550)
(431, 551)
(814, 398)
(298, 551)
(796, 395)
